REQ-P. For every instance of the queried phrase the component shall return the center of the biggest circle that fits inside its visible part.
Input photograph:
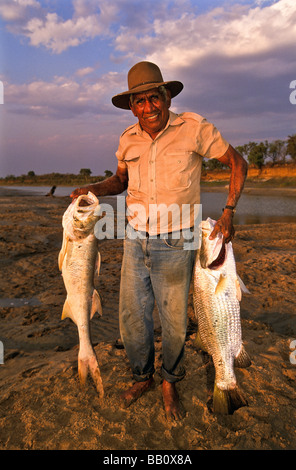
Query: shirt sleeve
(210, 142)
(120, 156)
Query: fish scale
(216, 297)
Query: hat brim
(122, 99)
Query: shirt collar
(174, 120)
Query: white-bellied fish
(216, 295)
(79, 258)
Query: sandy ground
(41, 403)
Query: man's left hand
(225, 226)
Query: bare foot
(171, 401)
(133, 393)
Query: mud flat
(41, 404)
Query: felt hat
(142, 77)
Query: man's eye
(140, 102)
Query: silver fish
(78, 260)
(216, 295)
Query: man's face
(152, 110)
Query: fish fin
(67, 312)
(238, 290)
(63, 251)
(90, 365)
(242, 360)
(98, 263)
(96, 306)
(198, 342)
(221, 285)
(242, 285)
(227, 401)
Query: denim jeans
(154, 270)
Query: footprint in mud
(32, 371)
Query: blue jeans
(154, 269)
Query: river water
(251, 209)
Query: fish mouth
(220, 258)
(84, 202)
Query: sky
(61, 61)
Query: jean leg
(171, 271)
(136, 306)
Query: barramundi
(79, 258)
(216, 295)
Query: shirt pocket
(178, 169)
(133, 168)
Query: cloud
(14, 10)
(91, 18)
(63, 97)
(84, 71)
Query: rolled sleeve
(210, 142)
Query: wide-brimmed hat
(142, 77)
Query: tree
(277, 151)
(85, 172)
(291, 146)
(31, 173)
(108, 173)
(257, 154)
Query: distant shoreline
(271, 191)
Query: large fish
(78, 260)
(216, 295)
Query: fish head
(81, 216)
(212, 252)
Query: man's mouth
(152, 118)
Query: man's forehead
(146, 93)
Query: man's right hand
(77, 192)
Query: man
(159, 163)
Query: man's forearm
(110, 186)
(116, 184)
(239, 169)
(236, 183)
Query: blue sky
(61, 61)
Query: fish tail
(90, 365)
(227, 401)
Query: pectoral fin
(96, 304)
(221, 285)
(63, 251)
(67, 312)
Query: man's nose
(149, 106)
